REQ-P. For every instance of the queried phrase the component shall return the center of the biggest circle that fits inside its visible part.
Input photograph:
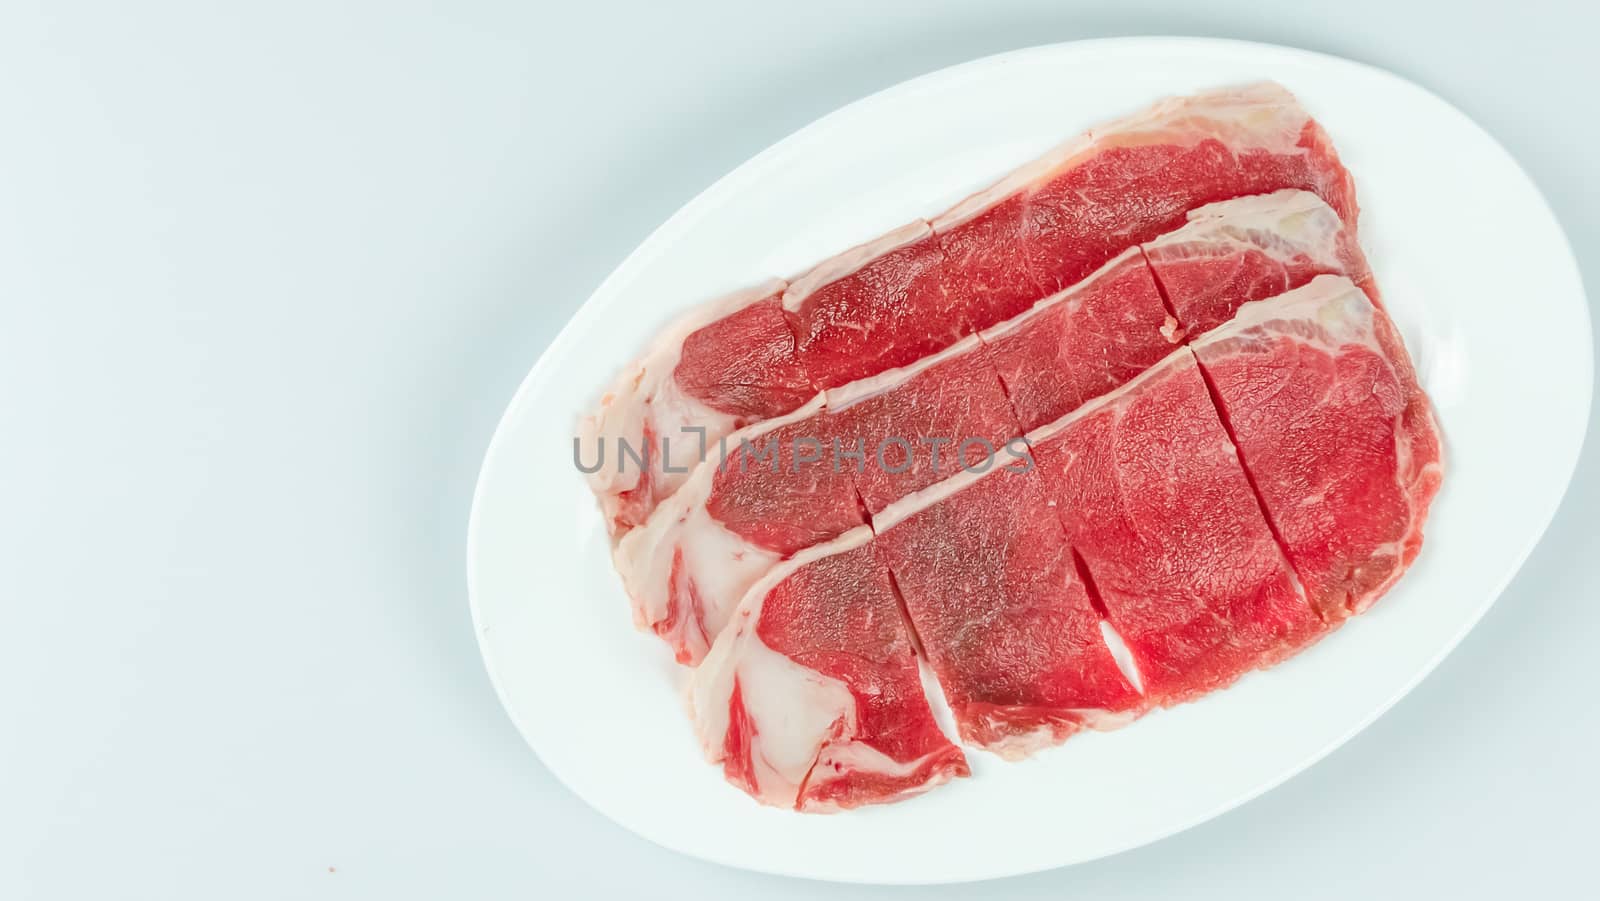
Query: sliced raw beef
(921, 288)
(1322, 401)
(1249, 249)
(1174, 543)
(873, 307)
(1113, 325)
(741, 512)
(990, 585)
(804, 478)
(690, 565)
(1052, 222)
(923, 423)
(985, 263)
(725, 365)
(1082, 342)
(812, 698)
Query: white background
(267, 278)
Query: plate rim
(691, 210)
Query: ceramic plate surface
(1473, 267)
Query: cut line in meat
(1221, 409)
(1084, 576)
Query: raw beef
(1249, 249)
(721, 367)
(1095, 336)
(1082, 342)
(1102, 438)
(896, 299)
(805, 478)
(1052, 222)
(1333, 428)
(740, 512)
(812, 697)
(924, 423)
(1173, 541)
(689, 565)
(874, 307)
(990, 585)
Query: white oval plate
(1471, 262)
